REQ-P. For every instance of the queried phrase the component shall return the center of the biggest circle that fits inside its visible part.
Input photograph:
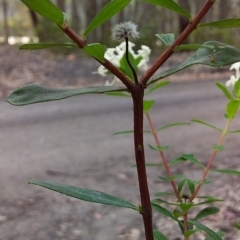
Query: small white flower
(231, 81)
(236, 66)
(124, 30)
(144, 52)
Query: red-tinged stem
(137, 96)
(188, 30)
(185, 219)
(205, 173)
(162, 156)
(108, 65)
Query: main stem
(146, 211)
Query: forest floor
(38, 141)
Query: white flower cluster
(114, 55)
(233, 78)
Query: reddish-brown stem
(205, 173)
(162, 156)
(185, 219)
(188, 30)
(137, 96)
(108, 65)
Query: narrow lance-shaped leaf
(172, 125)
(88, 195)
(206, 212)
(224, 90)
(47, 9)
(225, 23)
(167, 38)
(171, 5)
(157, 86)
(158, 235)
(207, 230)
(111, 9)
(147, 105)
(206, 124)
(227, 171)
(95, 50)
(37, 46)
(35, 93)
(236, 88)
(232, 108)
(221, 55)
(220, 234)
(164, 211)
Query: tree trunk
(75, 16)
(183, 21)
(62, 5)
(5, 20)
(35, 22)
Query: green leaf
(225, 23)
(173, 177)
(125, 68)
(177, 213)
(185, 206)
(218, 147)
(167, 38)
(159, 148)
(222, 55)
(34, 93)
(47, 9)
(236, 88)
(224, 90)
(95, 50)
(235, 131)
(172, 125)
(187, 157)
(207, 230)
(159, 201)
(37, 46)
(206, 124)
(206, 212)
(118, 94)
(157, 86)
(181, 184)
(237, 226)
(227, 171)
(164, 211)
(209, 199)
(111, 9)
(191, 47)
(191, 185)
(232, 108)
(158, 235)
(147, 105)
(191, 232)
(171, 5)
(88, 195)
(220, 234)
(130, 131)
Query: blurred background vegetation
(17, 20)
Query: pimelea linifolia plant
(124, 64)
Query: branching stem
(205, 173)
(162, 156)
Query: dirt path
(71, 142)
